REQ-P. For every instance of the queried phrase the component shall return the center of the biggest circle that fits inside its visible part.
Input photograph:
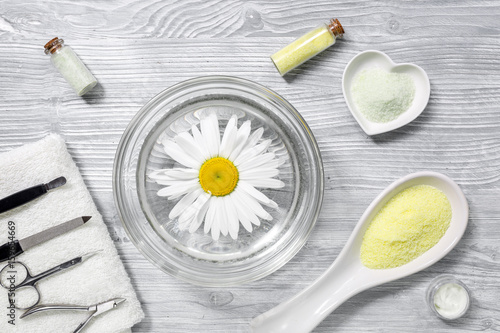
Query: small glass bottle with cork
(70, 66)
(307, 46)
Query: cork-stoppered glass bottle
(307, 46)
(70, 66)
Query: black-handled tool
(14, 248)
(25, 196)
(10, 250)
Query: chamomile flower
(219, 181)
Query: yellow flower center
(218, 176)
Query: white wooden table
(138, 48)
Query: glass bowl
(196, 257)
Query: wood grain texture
(222, 18)
(138, 48)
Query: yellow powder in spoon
(412, 222)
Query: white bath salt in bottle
(307, 46)
(448, 297)
(70, 66)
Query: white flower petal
(188, 144)
(216, 223)
(174, 174)
(245, 221)
(254, 205)
(244, 212)
(179, 189)
(241, 139)
(185, 203)
(220, 215)
(258, 173)
(261, 197)
(186, 219)
(253, 218)
(233, 224)
(266, 183)
(202, 203)
(172, 182)
(174, 151)
(166, 180)
(210, 217)
(254, 138)
(215, 233)
(200, 141)
(229, 137)
(249, 153)
(211, 133)
(259, 160)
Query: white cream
(451, 300)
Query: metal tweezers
(96, 310)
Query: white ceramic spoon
(347, 276)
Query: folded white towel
(100, 278)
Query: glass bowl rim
(293, 245)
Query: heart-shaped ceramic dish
(376, 59)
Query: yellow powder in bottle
(412, 222)
(303, 49)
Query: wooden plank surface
(138, 48)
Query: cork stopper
(53, 45)
(336, 28)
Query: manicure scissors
(17, 278)
(96, 310)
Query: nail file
(14, 248)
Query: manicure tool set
(15, 275)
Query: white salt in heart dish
(375, 59)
